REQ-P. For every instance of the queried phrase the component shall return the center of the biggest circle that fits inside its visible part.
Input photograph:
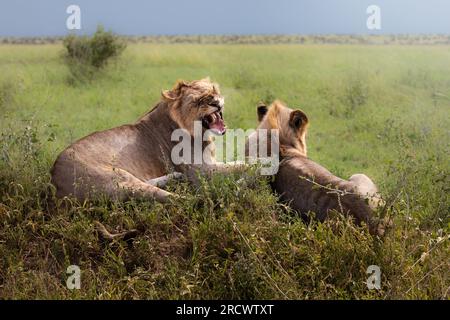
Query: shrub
(86, 55)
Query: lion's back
(87, 158)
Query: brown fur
(306, 185)
(118, 162)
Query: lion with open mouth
(134, 160)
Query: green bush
(86, 55)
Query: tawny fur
(299, 179)
(118, 162)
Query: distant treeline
(261, 39)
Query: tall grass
(230, 238)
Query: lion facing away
(306, 185)
(133, 159)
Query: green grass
(380, 110)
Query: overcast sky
(151, 17)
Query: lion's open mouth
(214, 122)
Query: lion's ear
(168, 95)
(261, 110)
(298, 119)
(175, 93)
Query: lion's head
(198, 100)
(291, 124)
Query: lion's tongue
(218, 126)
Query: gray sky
(151, 17)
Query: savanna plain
(382, 110)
